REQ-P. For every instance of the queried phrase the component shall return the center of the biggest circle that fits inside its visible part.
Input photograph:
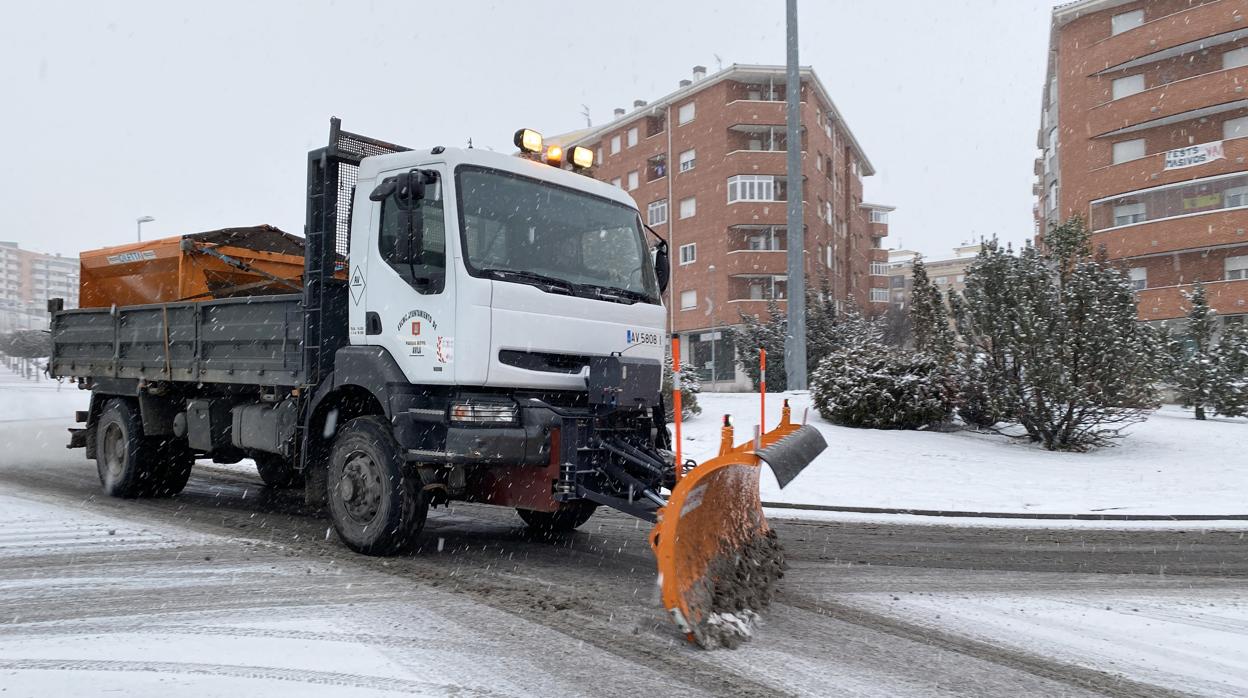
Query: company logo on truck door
(413, 317)
(639, 337)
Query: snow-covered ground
(1171, 464)
(1190, 641)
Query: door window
(420, 258)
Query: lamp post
(140, 221)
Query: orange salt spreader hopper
(718, 560)
(255, 260)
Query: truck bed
(256, 340)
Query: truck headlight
(480, 412)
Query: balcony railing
(758, 238)
(757, 288)
(1170, 201)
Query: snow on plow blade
(718, 560)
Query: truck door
(410, 287)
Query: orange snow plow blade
(718, 560)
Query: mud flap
(718, 560)
(789, 456)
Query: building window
(1128, 150)
(656, 167)
(1126, 21)
(1139, 278)
(598, 155)
(656, 212)
(689, 253)
(1235, 58)
(617, 183)
(686, 113)
(752, 188)
(688, 300)
(1125, 87)
(615, 144)
(1052, 197)
(961, 278)
(688, 207)
(634, 180)
(879, 268)
(1235, 128)
(878, 216)
(1127, 214)
(632, 136)
(1188, 198)
(942, 280)
(819, 161)
(879, 295)
(1236, 268)
(687, 160)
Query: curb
(1010, 515)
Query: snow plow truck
(454, 325)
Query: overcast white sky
(200, 114)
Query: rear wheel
(377, 507)
(131, 464)
(277, 472)
(568, 517)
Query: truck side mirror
(662, 265)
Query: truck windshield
(524, 230)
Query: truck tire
(174, 460)
(567, 518)
(277, 472)
(376, 504)
(124, 458)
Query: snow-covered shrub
(1209, 376)
(871, 386)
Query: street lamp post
(140, 221)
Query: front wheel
(377, 507)
(568, 517)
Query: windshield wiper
(553, 284)
(616, 294)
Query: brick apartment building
(1144, 132)
(947, 273)
(27, 280)
(706, 165)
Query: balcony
(757, 238)
(1226, 297)
(772, 138)
(1149, 171)
(757, 287)
(1167, 36)
(1172, 99)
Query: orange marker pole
(676, 401)
(762, 390)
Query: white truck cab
(517, 272)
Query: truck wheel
(568, 517)
(277, 472)
(174, 459)
(123, 458)
(377, 507)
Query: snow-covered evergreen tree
(763, 333)
(929, 320)
(1209, 376)
(690, 386)
(1056, 337)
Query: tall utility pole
(795, 341)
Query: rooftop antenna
(719, 62)
(469, 144)
(585, 113)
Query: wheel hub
(359, 488)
